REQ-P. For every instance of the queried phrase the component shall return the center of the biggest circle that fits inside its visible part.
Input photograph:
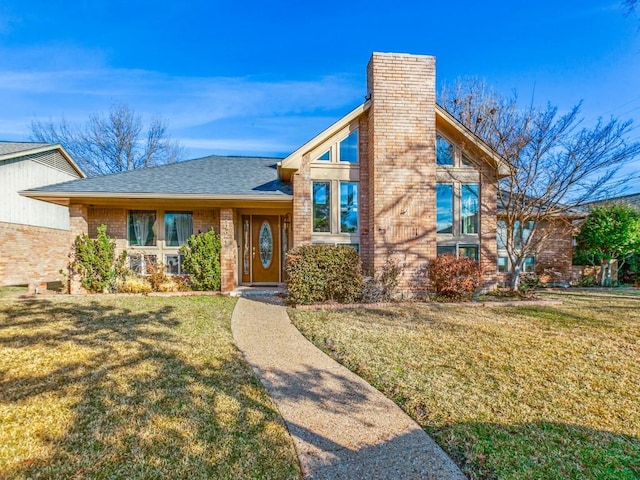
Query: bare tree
(557, 165)
(112, 143)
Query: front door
(265, 248)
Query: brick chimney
(401, 162)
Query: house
(34, 235)
(397, 177)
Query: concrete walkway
(341, 426)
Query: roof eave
(503, 167)
(46, 148)
(292, 162)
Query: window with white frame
(322, 206)
(141, 263)
(178, 227)
(459, 250)
(521, 234)
(348, 207)
(173, 263)
(348, 148)
(141, 228)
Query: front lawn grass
(535, 392)
(131, 388)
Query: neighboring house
(398, 177)
(633, 200)
(34, 235)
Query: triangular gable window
(325, 157)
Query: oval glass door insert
(265, 244)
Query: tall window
(444, 208)
(444, 151)
(178, 227)
(321, 206)
(348, 207)
(349, 148)
(469, 209)
(141, 225)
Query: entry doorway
(263, 244)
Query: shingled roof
(10, 148)
(208, 176)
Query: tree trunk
(515, 278)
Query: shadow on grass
(146, 399)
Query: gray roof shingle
(212, 175)
(7, 148)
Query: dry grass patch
(132, 387)
(509, 392)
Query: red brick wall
(32, 254)
(366, 251)
(229, 251)
(555, 256)
(401, 162)
(302, 214)
(116, 221)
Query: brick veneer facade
(401, 161)
(32, 254)
(229, 251)
(554, 261)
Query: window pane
(444, 151)
(503, 264)
(529, 264)
(444, 208)
(501, 235)
(178, 227)
(446, 250)
(321, 206)
(348, 207)
(469, 251)
(141, 227)
(349, 148)
(173, 264)
(465, 162)
(469, 208)
(325, 157)
(526, 231)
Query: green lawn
(131, 388)
(536, 392)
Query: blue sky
(261, 78)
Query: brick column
(229, 251)
(302, 215)
(401, 161)
(78, 225)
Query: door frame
(246, 243)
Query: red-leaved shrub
(454, 278)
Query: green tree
(610, 232)
(95, 260)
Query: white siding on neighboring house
(33, 171)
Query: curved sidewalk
(342, 427)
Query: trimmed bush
(202, 260)
(95, 261)
(135, 285)
(454, 278)
(319, 273)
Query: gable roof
(27, 150)
(212, 177)
(472, 141)
(292, 162)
